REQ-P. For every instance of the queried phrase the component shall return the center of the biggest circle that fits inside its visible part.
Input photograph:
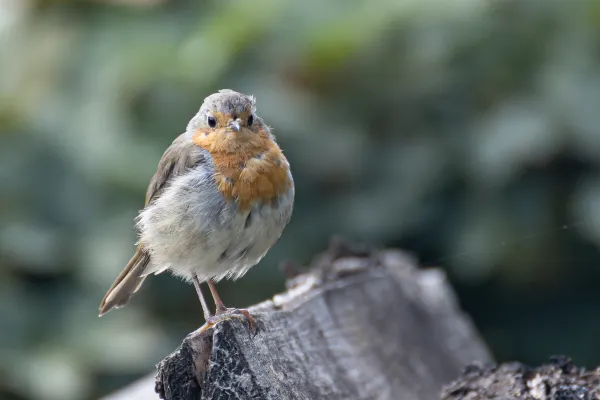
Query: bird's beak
(235, 125)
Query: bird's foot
(225, 314)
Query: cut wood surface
(359, 325)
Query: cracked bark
(560, 379)
(360, 325)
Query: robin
(220, 198)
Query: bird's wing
(181, 155)
(177, 159)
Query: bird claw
(227, 314)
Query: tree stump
(359, 325)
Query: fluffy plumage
(219, 200)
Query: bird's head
(228, 113)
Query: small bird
(220, 198)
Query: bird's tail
(127, 283)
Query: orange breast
(249, 166)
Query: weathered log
(359, 325)
(558, 380)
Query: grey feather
(177, 160)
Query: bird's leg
(205, 309)
(222, 310)
(220, 307)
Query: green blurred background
(465, 132)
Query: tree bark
(360, 325)
(557, 380)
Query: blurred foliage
(465, 132)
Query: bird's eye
(212, 122)
(250, 120)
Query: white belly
(191, 229)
